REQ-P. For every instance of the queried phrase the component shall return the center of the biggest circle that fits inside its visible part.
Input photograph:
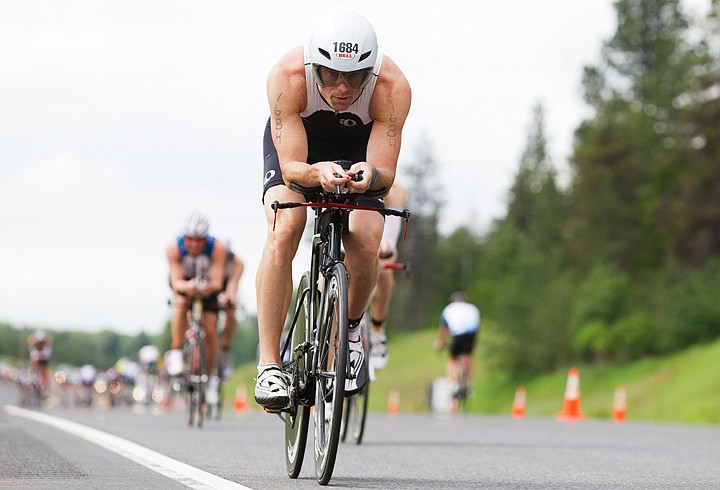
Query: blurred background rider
(193, 252)
(228, 301)
(382, 295)
(40, 352)
(460, 321)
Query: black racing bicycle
(316, 346)
(194, 359)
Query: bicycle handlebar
(319, 191)
(387, 265)
(340, 199)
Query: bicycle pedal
(272, 410)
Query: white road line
(169, 467)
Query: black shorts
(272, 175)
(462, 344)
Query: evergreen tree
(623, 159)
(693, 202)
(522, 282)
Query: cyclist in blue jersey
(191, 252)
(335, 98)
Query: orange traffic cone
(571, 403)
(518, 407)
(241, 400)
(619, 408)
(393, 407)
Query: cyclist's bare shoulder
(392, 93)
(173, 252)
(286, 81)
(219, 251)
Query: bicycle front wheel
(332, 365)
(196, 381)
(298, 417)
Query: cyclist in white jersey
(460, 321)
(336, 98)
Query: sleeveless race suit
(331, 135)
(190, 264)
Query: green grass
(683, 388)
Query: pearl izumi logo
(269, 175)
(349, 123)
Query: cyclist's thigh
(287, 224)
(366, 229)
(209, 319)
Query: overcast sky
(117, 118)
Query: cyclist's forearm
(184, 287)
(301, 173)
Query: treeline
(103, 349)
(622, 262)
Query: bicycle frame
(196, 377)
(330, 222)
(322, 298)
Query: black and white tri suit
(331, 135)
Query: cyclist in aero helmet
(353, 59)
(193, 251)
(335, 98)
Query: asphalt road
(57, 447)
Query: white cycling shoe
(358, 375)
(271, 388)
(378, 349)
(174, 363)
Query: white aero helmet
(195, 225)
(343, 42)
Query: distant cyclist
(335, 98)
(40, 352)
(396, 199)
(460, 321)
(147, 379)
(148, 355)
(88, 376)
(191, 252)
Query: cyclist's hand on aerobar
(330, 174)
(357, 179)
(202, 288)
(363, 173)
(225, 300)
